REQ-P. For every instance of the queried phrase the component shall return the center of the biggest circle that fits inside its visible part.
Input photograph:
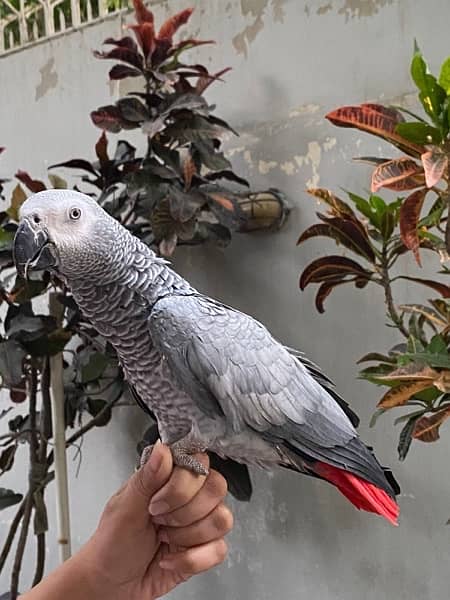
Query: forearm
(70, 581)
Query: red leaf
(323, 292)
(426, 429)
(124, 42)
(171, 26)
(409, 218)
(375, 119)
(435, 163)
(145, 35)
(101, 149)
(34, 185)
(441, 288)
(76, 163)
(206, 80)
(398, 174)
(349, 233)
(190, 43)
(143, 15)
(107, 118)
(189, 170)
(223, 201)
(122, 71)
(125, 54)
(331, 268)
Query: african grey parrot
(214, 377)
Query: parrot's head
(64, 231)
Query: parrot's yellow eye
(75, 213)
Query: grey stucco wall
(293, 60)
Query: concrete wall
(292, 60)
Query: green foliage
(378, 232)
(179, 190)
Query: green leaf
(376, 356)
(6, 239)
(405, 438)
(437, 345)
(7, 458)
(440, 361)
(418, 68)
(431, 93)
(18, 197)
(11, 357)
(416, 413)
(8, 498)
(429, 395)
(418, 132)
(57, 182)
(212, 159)
(94, 368)
(364, 207)
(26, 289)
(444, 76)
(374, 418)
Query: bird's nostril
(36, 219)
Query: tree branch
(40, 559)
(12, 533)
(31, 487)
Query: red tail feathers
(362, 494)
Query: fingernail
(166, 564)
(155, 459)
(159, 507)
(163, 536)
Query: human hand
(163, 526)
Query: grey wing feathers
(239, 369)
(325, 382)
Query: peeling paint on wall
(49, 79)
(265, 166)
(256, 9)
(351, 9)
(303, 110)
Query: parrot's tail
(361, 493)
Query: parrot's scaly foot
(183, 457)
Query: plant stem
(31, 487)
(40, 559)
(446, 198)
(388, 297)
(12, 533)
(21, 547)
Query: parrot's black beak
(32, 250)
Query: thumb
(150, 478)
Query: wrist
(97, 577)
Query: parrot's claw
(186, 460)
(182, 457)
(145, 455)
